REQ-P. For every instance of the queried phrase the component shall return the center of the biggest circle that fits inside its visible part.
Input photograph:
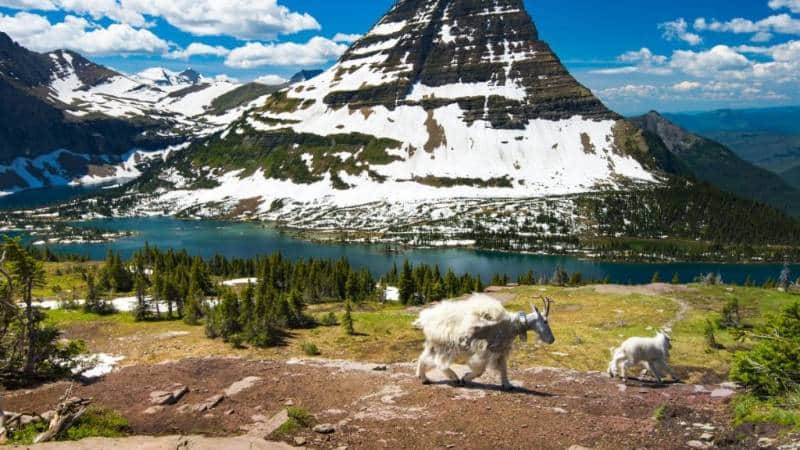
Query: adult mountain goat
(652, 353)
(481, 328)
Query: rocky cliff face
(484, 55)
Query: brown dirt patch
(391, 409)
(436, 136)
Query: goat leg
(502, 367)
(453, 377)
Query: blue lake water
(37, 198)
(207, 238)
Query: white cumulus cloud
(349, 38)
(197, 49)
(642, 61)
(679, 29)
(76, 33)
(243, 19)
(708, 63)
(686, 86)
(792, 5)
(780, 24)
(44, 5)
(271, 80)
(317, 50)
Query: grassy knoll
(64, 280)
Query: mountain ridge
(716, 164)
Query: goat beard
(523, 336)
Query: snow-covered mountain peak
(442, 99)
(162, 77)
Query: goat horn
(547, 301)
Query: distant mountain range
(716, 164)
(769, 137)
(65, 119)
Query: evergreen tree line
(30, 350)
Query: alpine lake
(207, 238)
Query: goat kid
(480, 328)
(652, 353)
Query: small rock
(380, 368)
(288, 402)
(324, 428)
(698, 445)
(48, 415)
(730, 385)
(560, 410)
(722, 393)
(707, 437)
(154, 409)
(209, 403)
(579, 447)
(241, 385)
(766, 442)
(229, 412)
(168, 397)
(161, 398)
(704, 426)
(299, 440)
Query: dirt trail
(656, 289)
(386, 407)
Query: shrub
(310, 349)
(95, 422)
(329, 320)
(236, 341)
(711, 338)
(298, 418)
(347, 319)
(772, 366)
(98, 422)
(731, 317)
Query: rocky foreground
(238, 403)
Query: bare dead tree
(68, 411)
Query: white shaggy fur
(480, 327)
(652, 353)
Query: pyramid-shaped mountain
(442, 99)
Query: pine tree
(656, 278)
(676, 279)
(142, 310)
(478, 284)
(347, 319)
(406, 284)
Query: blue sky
(676, 56)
